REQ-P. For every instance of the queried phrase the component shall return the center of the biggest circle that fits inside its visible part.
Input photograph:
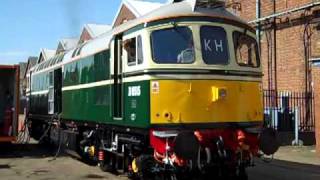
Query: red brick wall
(316, 87)
(290, 51)
(248, 7)
(124, 15)
(290, 59)
(85, 36)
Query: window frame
(258, 59)
(227, 62)
(137, 49)
(136, 61)
(166, 28)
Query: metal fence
(283, 110)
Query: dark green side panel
(87, 104)
(137, 104)
(96, 105)
(94, 102)
(87, 70)
(91, 104)
(39, 104)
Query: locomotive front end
(206, 109)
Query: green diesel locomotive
(171, 94)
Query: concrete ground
(37, 163)
(283, 170)
(299, 154)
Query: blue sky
(28, 25)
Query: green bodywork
(95, 104)
(137, 108)
(87, 105)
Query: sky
(26, 26)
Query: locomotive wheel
(36, 130)
(145, 163)
(109, 163)
(242, 174)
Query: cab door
(58, 90)
(117, 79)
(55, 94)
(51, 93)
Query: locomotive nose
(186, 145)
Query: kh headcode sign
(214, 45)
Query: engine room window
(50, 78)
(246, 50)
(214, 45)
(173, 46)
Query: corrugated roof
(91, 47)
(140, 8)
(68, 43)
(48, 53)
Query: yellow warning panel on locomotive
(205, 101)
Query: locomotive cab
(207, 68)
(203, 67)
(196, 82)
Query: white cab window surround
(133, 51)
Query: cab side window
(139, 50)
(246, 50)
(133, 47)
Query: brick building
(45, 54)
(290, 43)
(91, 31)
(66, 44)
(24, 82)
(131, 9)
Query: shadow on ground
(283, 170)
(33, 150)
